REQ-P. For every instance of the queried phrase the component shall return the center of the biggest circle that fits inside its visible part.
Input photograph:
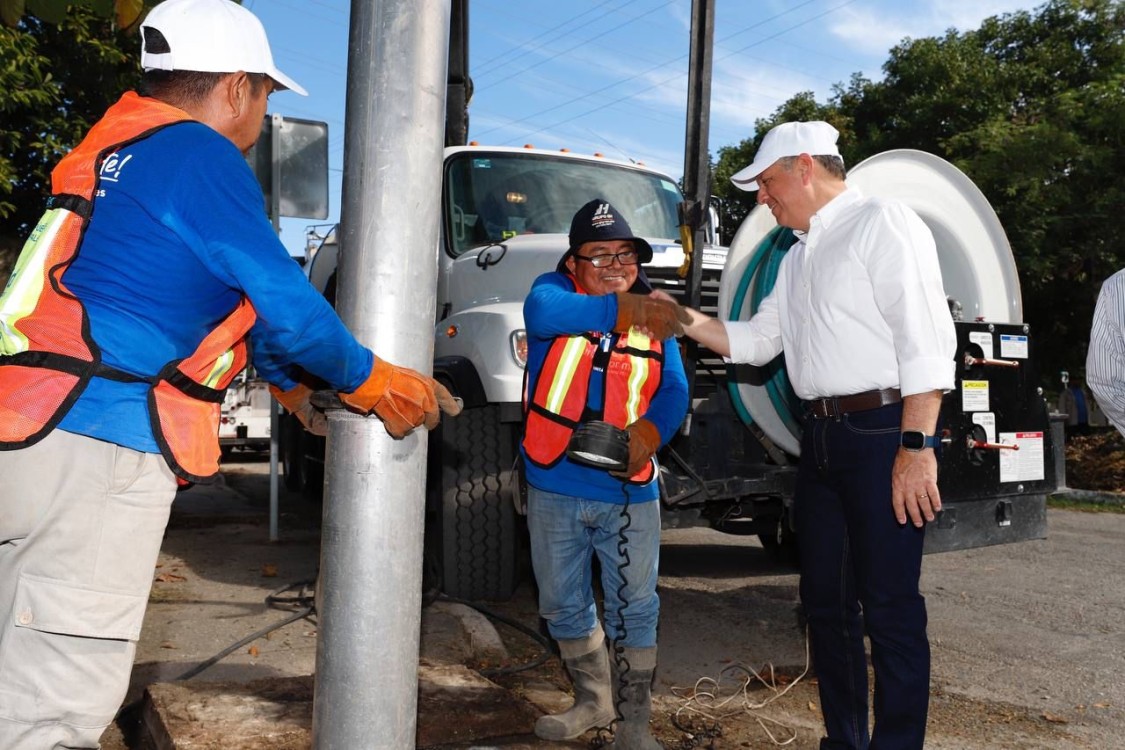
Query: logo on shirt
(112, 166)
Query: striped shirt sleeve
(1105, 358)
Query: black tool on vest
(599, 445)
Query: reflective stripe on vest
(632, 377)
(47, 355)
(186, 399)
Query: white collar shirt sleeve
(758, 340)
(859, 304)
(1105, 358)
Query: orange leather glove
(660, 318)
(402, 398)
(296, 402)
(644, 441)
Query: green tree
(1031, 106)
(57, 77)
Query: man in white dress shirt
(860, 312)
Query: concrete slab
(274, 713)
(455, 706)
(216, 576)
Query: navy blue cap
(598, 221)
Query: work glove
(402, 398)
(644, 441)
(659, 318)
(296, 402)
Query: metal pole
(371, 540)
(697, 160)
(275, 216)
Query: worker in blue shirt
(599, 350)
(152, 279)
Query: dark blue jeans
(860, 569)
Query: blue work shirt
(178, 234)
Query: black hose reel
(599, 445)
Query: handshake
(401, 397)
(656, 314)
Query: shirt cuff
(746, 347)
(926, 374)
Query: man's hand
(402, 398)
(914, 490)
(644, 441)
(296, 402)
(703, 328)
(659, 318)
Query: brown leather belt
(823, 408)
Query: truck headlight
(519, 347)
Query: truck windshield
(493, 196)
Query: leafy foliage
(56, 80)
(1031, 106)
(126, 12)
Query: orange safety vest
(47, 354)
(632, 371)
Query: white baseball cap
(816, 138)
(210, 36)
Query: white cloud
(868, 30)
(875, 27)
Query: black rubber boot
(588, 663)
(633, 693)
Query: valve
(977, 442)
(971, 361)
(982, 445)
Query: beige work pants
(81, 523)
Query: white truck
(505, 218)
(244, 418)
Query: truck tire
(302, 473)
(290, 450)
(473, 481)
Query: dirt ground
(1028, 639)
(1096, 461)
(1028, 643)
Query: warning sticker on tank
(974, 395)
(1025, 464)
(1013, 347)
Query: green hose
(765, 261)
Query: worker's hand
(644, 441)
(402, 398)
(659, 318)
(296, 402)
(914, 491)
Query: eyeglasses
(626, 258)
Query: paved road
(1028, 639)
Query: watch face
(913, 440)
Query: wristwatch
(914, 440)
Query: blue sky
(610, 76)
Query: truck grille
(710, 370)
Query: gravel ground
(1028, 642)
(1028, 639)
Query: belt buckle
(825, 408)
